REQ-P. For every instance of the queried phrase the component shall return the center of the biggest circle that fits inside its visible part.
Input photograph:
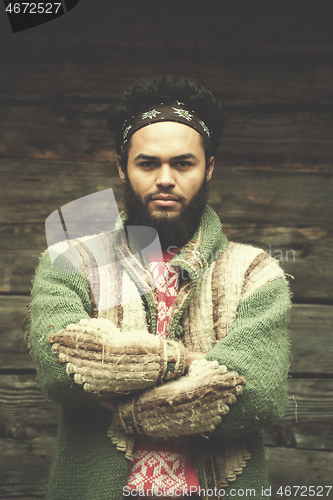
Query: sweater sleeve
(257, 348)
(59, 300)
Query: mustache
(169, 192)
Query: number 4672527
(304, 491)
(33, 8)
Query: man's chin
(164, 212)
(174, 227)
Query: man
(165, 395)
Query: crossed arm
(192, 396)
(142, 379)
(190, 356)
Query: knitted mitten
(107, 361)
(193, 404)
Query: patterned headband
(174, 112)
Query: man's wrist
(125, 416)
(176, 360)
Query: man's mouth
(164, 200)
(164, 197)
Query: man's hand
(107, 361)
(192, 404)
(192, 356)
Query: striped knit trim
(137, 271)
(207, 244)
(198, 318)
(134, 314)
(263, 270)
(184, 295)
(221, 461)
(134, 267)
(91, 274)
(109, 274)
(77, 253)
(192, 260)
(227, 284)
(115, 314)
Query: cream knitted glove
(107, 361)
(192, 404)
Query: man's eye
(147, 164)
(183, 164)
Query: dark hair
(152, 89)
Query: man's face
(166, 181)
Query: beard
(173, 230)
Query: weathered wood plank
(310, 335)
(314, 398)
(293, 137)
(24, 468)
(239, 79)
(223, 27)
(307, 423)
(47, 137)
(304, 434)
(311, 329)
(26, 414)
(20, 249)
(288, 467)
(267, 197)
(13, 333)
(306, 253)
(77, 131)
(31, 190)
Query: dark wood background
(272, 186)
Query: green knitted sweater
(86, 465)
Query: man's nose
(165, 176)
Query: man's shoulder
(249, 265)
(243, 251)
(83, 251)
(248, 254)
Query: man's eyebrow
(141, 156)
(184, 156)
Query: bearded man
(165, 395)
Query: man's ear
(122, 174)
(209, 170)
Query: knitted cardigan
(234, 305)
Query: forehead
(170, 138)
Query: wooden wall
(272, 186)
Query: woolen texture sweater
(234, 306)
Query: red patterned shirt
(163, 465)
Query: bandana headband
(174, 112)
